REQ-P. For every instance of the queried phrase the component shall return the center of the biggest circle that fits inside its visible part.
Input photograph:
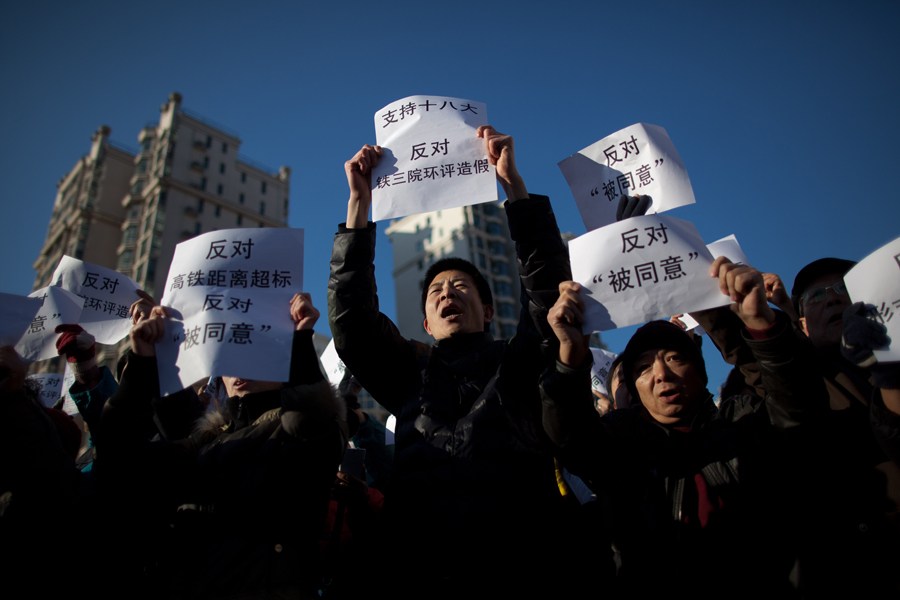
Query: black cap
(659, 335)
(814, 270)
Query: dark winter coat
(237, 508)
(710, 510)
(473, 499)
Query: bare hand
(359, 178)
(140, 308)
(777, 294)
(148, 331)
(566, 318)
(303, 313)
(501, 153)
(745, 286)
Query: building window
(240, 219)
(218, 210)
(243, 178)
(224, 147)
(209, 141)
(197, 228)
(241, 198)
(263, 187)
(262, 208)
(200, 205)
(500, 268)
(219, 189)
(162, 198)
(203, 184)
(494, 228)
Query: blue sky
(785, 113)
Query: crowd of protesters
(504, 480)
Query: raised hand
(359, 179)
(745, 286)
(501, 153)
(303, 313)
(566, 318)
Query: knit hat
(78, 346)
(659, 335)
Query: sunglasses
(818, 295)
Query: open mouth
(450, 311)
(670, 395)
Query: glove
(78, 346)
(863, 333)
(632, 206)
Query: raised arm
(364, 338)
(359, 179)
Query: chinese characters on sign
(107, 294)
(641, 269)
(638, 160)
(51, 386)
(230, 292)
(58, 306)
(432, 158)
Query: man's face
(670, 386)
(236, 386)
(453, 306)
(823, 311)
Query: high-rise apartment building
(127, 210)
(477, 233)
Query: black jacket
(473, 482)
(238, 507)
(709, 509)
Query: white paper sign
(228, 293)
(17, 315)
(637, 160)
(51, 387)
(876, 280)
(332, 364)
(432, 159)
(600, 369)
(59, 306)
(107, 295)
(640, 269)
(729, 248)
